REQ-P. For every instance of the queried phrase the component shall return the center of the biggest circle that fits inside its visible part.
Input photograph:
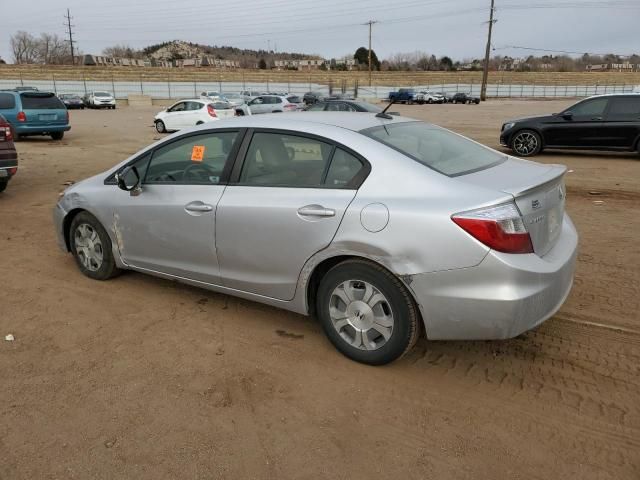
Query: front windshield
(439, 149)
(101, 94)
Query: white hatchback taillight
(211, 110)
(500, 227)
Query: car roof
(625, 94)
(355, 121)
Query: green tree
(362, 57)
(446, 63)
(262, 65)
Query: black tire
(108, 268)
(57, 135)
(113, 108)
(3, 185)
(526, 143)
(160, 126)
(405, 329)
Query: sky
(334, 28)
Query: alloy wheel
(361, 314)
(525, 143)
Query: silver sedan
(382, 227)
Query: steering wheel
(201, 168)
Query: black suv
(310, 98)
(605, 122)
(465, 98)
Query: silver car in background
(275, 104)
(380, 226)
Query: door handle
(316, 211)
(198, 207)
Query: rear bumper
(40, 129)
(8, 164)
(502, 297)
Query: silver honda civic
(378, 225)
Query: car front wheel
(367, 313)
(160, 127)
(91, 247)
(526, 143)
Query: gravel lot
(144, 378)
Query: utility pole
(485, 70)
(70, 32)
(370, 23)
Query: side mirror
(567, 115)
(128, 179)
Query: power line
(516, 47)
(70, 32)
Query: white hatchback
(188, 113)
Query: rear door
(583, 128)
(286, 204)
(43, 109)
(622, 122)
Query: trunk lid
(43, 109)
(538, 191)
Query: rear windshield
(221, 105)
(369, 107)
(7, 100)
(436, 148)
(37, 102)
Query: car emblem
(535, 204)
(560, 193)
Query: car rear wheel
(3, 185)
(367, 313)
(91, 247)
(160, 126)
(57, 135)
(526, 143)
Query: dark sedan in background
(465, 98)
(604, 122)
(8, 155)
(71, 100)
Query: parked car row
(409, 96)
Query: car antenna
(383, 113)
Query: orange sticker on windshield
(197, 153)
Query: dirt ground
(148, 379)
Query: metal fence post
(21, 81)
(195, 88)
(219, 82)
(141, 90)
(169, 83)
(55, 89)
(84, 82)
(243, 84)
(113, 86)
(309, 82)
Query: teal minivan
(34, 113)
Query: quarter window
(344, 167)
(7, 101)
(194, 160)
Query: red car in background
(8, 154)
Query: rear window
(221, 105)
(437, 148)
(625, 106)
(7, 100)
(369, 107)
(37, 102)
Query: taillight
(211, 110)
(290, 107)
(67, 112)
(13, 170)
(7, 133)
(500, 228)
(21, 117)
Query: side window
(344, 167)
(7, 100)
(625, 108)
(194, 105)
(194, 160)
(591, 108)
(256, 101)
(275, 159)
(178, 107)
(316, 107)
(277, 100)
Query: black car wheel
(3, 185)
(367, 312)
(57, 135)
(526, 143)
(160, 127)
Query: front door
(578, 126)
(170, 226)
(286, 205)
(258, 105)
(175, 120)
